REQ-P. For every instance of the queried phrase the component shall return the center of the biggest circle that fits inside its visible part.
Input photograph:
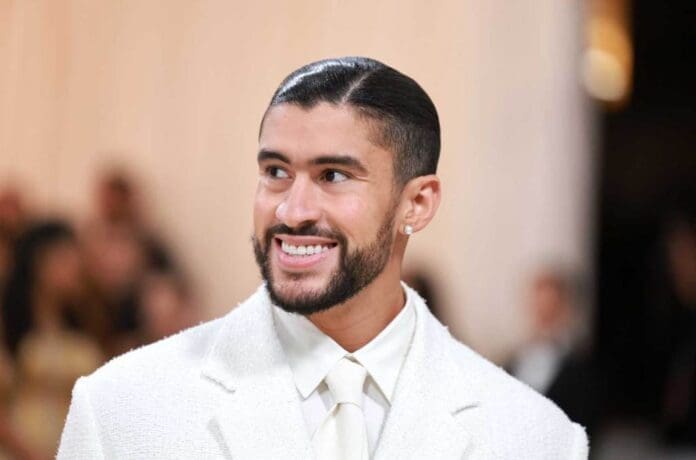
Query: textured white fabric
(311, 354)
(224, 390)
(343, 434)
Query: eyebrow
(265, 155)
(343, 160)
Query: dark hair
(407, 120)
(17, 313)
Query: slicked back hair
(405, 118)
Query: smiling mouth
(303, 250)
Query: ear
(419, 202)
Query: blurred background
(564, 249)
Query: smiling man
(333, 357)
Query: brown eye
(334, 176)
(276, 172)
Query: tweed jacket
(223, 389)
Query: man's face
(324, 208)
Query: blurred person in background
(11, 444)
(555, 360)
(42, 314)
(119, 250)
(115, 264)
(675, 330)
(118, 204)
(13, 215)
(13, 218)
(167, 304)
(6, 257)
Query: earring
(408, 229)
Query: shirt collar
(312, 354)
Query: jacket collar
(262, 416)
(432, 390)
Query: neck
(356, 322)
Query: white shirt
(312, 354)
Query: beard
(356, 268)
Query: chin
(295, 286)
(303, 296)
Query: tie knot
(345, 381)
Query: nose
(300, 206)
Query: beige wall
(175, 90)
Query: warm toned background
(175, 90)
(568, 142)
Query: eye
(334, 176)
(276, 172)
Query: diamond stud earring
(408, 229)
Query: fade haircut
(405, 118)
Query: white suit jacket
(224, 390)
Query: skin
(320, 166)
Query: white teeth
(302, 250)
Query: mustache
(306, 230)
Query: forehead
(320, 130)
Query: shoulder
(495, 384)
(524, 419)
(175, 359)
(177, 354)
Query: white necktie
(343, 434)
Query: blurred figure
(12, 212)
(12, 221)
(6, 257)
(119, 249)
(678, 413)
(6, 384)
(115, 263)
(11, 446)
(553, 361)
(41, 317)
(167, 305)
(118, 204)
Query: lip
(297, 264)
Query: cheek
(264, 212)
(358, 217)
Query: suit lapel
(430, 391)
(259, 414)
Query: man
(333, 357)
